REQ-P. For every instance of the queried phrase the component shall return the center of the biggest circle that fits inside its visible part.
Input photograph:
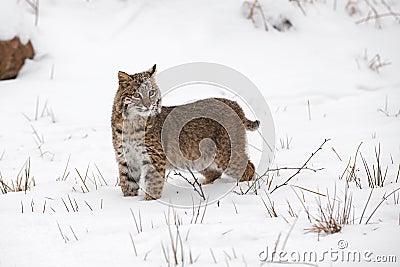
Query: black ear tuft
(123, 77)
(153, 70)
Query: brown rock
(12, 57)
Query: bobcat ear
(152, 70)
(123, 77)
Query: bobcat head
(139, 94)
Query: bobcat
(208, 136)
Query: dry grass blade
(196, 212)
(61, 233)
(378, 177)
(34, 4)
(138, 223)
(166, 255)
(72, 205)
(234, 205)
(309, 190)
(270, 206)
(145, 255)
(380, 203)
(253, 7)
(213, 256)
(288, 234)
(366, 204)
(290, 210)
(72, 230)
(66, 172)
(337, 154)
(88, 205)
(133, 244)
(300, 6)
(65, 204)
(377, 17)
(306, 209)
(387, 6)
(83, 181)
(3, 186)
(352, 172)
(101, 175)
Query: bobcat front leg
(154, 175)
(129, 177)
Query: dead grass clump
(374, 10)
(255, 12)
(333, 215)
(86, 181)
(378, 176)
(24, 182)
(253, 8)
(374, 63)
(375, 173)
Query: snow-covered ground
(58, 111)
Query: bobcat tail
(251, 125)
(248, 124)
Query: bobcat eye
(136, 95)
(152, 92)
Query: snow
(81, 45)
(15, 20)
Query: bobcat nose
(146, 104)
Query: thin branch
(195, 184)
(302, 167)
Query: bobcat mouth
(143, 111)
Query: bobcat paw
(151, 197)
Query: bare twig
(302, 167)
(197, 187)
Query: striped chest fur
(133, 145)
